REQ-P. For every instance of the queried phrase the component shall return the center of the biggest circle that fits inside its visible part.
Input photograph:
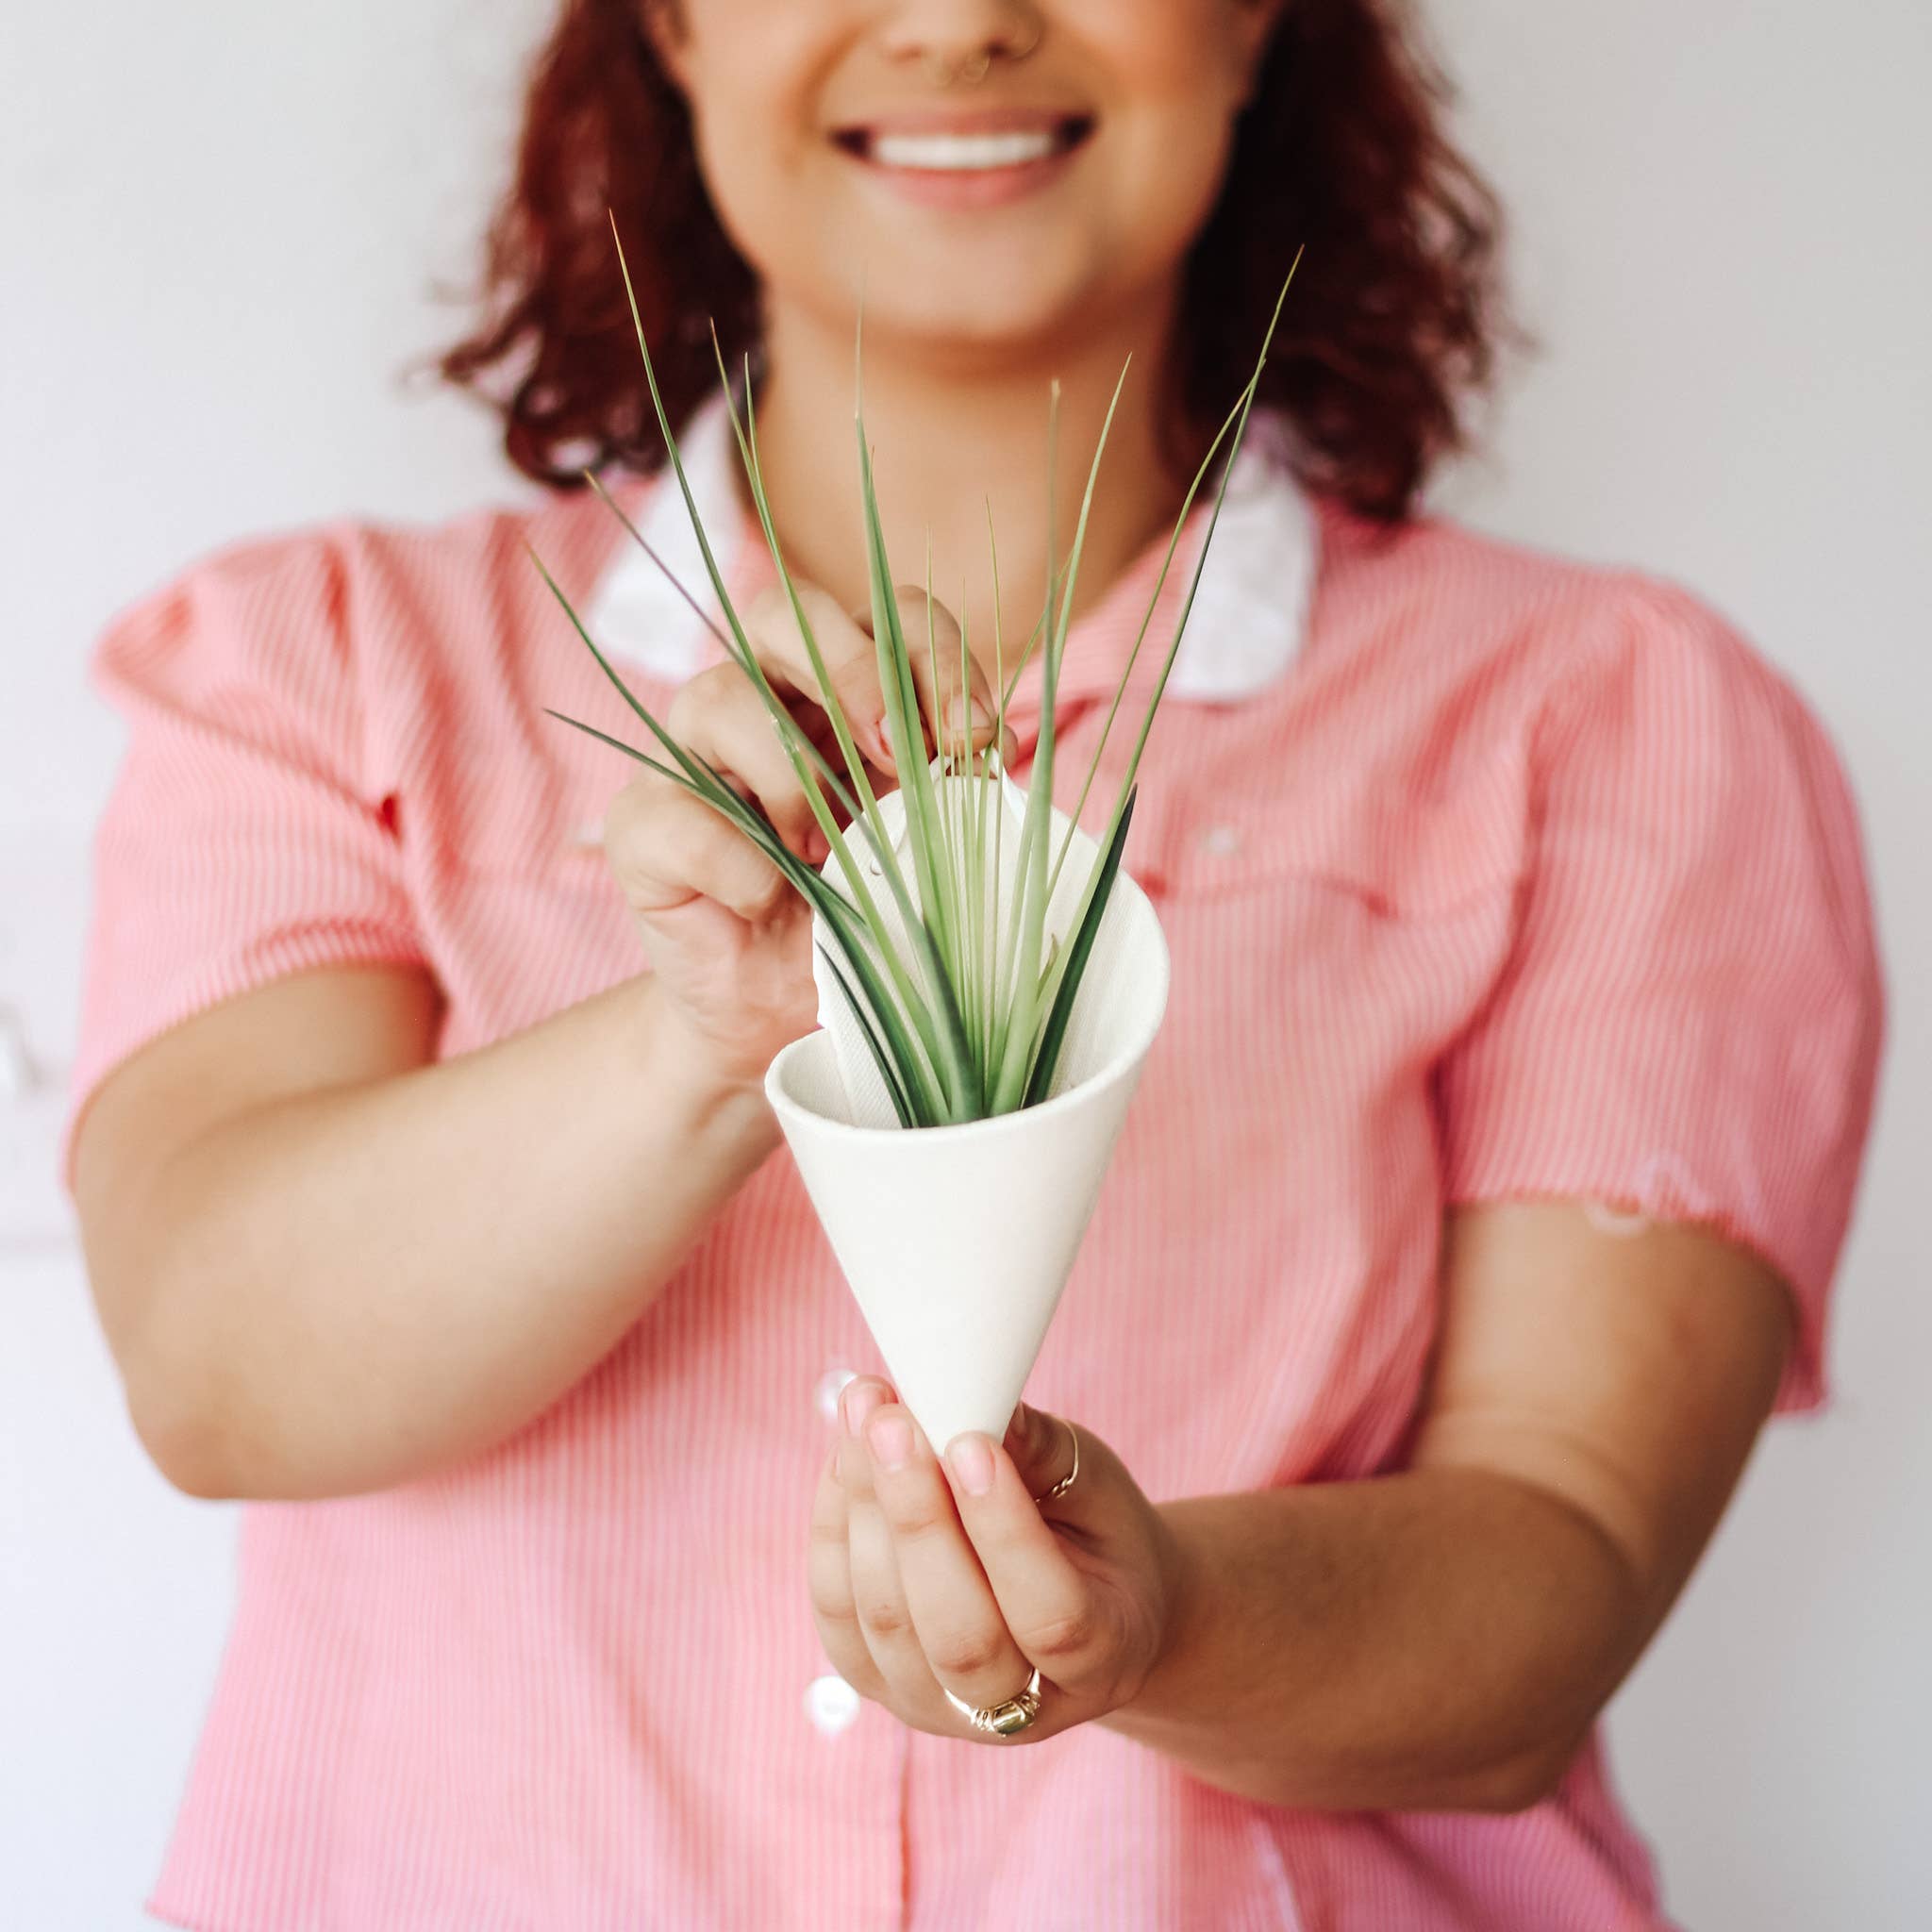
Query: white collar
(1248, 621)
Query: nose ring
(945, 71)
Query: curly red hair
(1393, 324)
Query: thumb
(1041, 1446)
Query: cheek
(1170, 160)
(1178, 50)
(755, 97)
(761, 181)
(1173, 76)
(1168, 175)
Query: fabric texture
(246, 836)
(1507, 875)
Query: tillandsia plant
(964, 998)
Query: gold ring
(1066, 1482)
(1002, 1719)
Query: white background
(219, 224)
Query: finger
(850, 656)
(666, 848)
(1046, 1603)
(954, 701)
(856, 1400)
(828, 1578)
(964, 1639)
(1041, 1446)
(878, 1594)
(719, 717)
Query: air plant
(961, 995)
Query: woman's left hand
(923, 1575)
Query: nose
(970, 34)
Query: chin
(972, 301)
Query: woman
(1481, 1196)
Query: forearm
(362, 1284)
(1432, 1641)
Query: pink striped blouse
(1484, 873)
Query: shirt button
(831, 1703)
(587, 834)
(1222, 840)
(831, 1385)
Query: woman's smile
(966, 159)
(1008, 201)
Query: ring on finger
(1008, 1717)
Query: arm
(325, 1265)
(1442, 1638)
(1695, 968)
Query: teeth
(961, 151)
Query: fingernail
(965, 714)
(882, 738)
(971, 1462)
(858, 1400)
(891, 1441)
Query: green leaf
(888, 1073)
(1074, 969)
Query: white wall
(1721, 215)
(220, 223)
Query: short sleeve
(1690, 1022)
(245, 836)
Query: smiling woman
(1227, 132)
(594, 1572)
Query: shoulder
(1451, 605)
(349, 597)
(1627, 698)
(1585, 681)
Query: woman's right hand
(728, 938)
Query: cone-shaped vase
(957, 1240)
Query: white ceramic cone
(957, 1240)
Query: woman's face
(831, 151)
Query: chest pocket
(1395, 850)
